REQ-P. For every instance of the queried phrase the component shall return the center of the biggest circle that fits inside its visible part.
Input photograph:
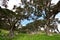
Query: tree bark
(47, 26)
(11, 33)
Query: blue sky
(24, 22)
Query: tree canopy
(32, 9)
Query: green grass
(21, 36)
(36, 37)
(3, 35)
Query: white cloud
(58, 16)
(16, 2)
(13, 2)
(54, 1)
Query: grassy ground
(3, 35)
(21, 36)
(36, 37)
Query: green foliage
(6, 16)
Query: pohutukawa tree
(26, 10)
